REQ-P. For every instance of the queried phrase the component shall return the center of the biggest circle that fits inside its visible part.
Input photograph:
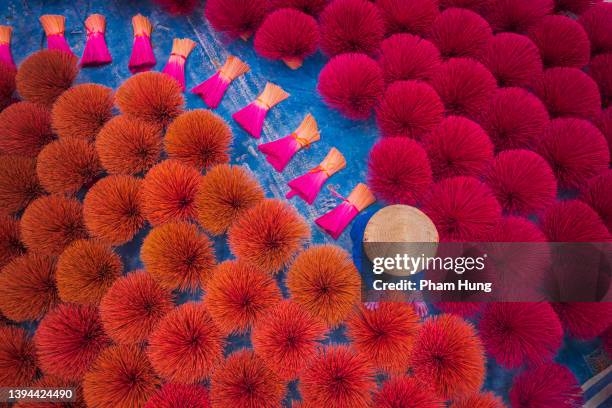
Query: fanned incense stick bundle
(54, 26)
(212, 90)
(142, 58)
(96, 51)
(336, 220)
(251, 117)
(181, 48)
(6, 56)
(308, 185)
(279, 152)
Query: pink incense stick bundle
(6, 56)
(212, 90)
(181, 48)
(96, 51)
(142, 58)
(308, 185)
(251, 117)
(279, 152)
(54, 26)
(336, 220)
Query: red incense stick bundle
(212, 90)
(279, 152)
(308, 185)
(251, 117)
(181, 48)
(6, 56)
(142, 58)
(336, 220)
(96, 51)
(54, 26)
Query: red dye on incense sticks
(462, 208)
(11, 246)
(574, 162)
(596, 23)
(481, 400)
(96, 51)
(385, 335)
(307, 186)
(522, 181)
(27, 129)
(152, 97)
(514, 119)
(133, 306)
(462, 309)
(562, 42)
(458, 147)
(171, 395)
(212, 90)
(573, 221)
(178, 7)
(68, 340)
(198, 138)
(185, 346)
(324, 280)
(237, 19)
(55, 26)
(415, 17)
(408, 392)
(478, 6)
(513, 59)
(66, 165)
(515, 334)
(120, 377)
(169, 191)
(177, 255)
(460, 32)
(19, 184)
(286, 337)
(279, 152)
(312, 7)
(127, 145)
(351, 26)
(50, 223)
(339, 376)
(448, 355)
(268, 235)
(17, 357)
(335, 221)
(597, 193)
(238, 295)
(584, 320)
(288, 35)
(27, 287)
(549, 385)
(409, 108)
(574, 6)
(112, 209)
(407, 57)
(44, 75)
(398, 170)
(244, 380)
(142, 57)
(252, 116)
(604, 122)
(351, 84)
(601, 71)
(569, 92)
(517, 15)
(465, 87)
(7, 85)
(175, 67)
(224, 194)
(6, 56)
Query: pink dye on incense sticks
(251, 117)
(279, 152)
(175, 67)
(336, 220)
(212, 90)
(307, 186)
(142, 58)
(54, 26)
(96, 51)
(6, 56)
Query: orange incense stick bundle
(307, 186)
(181, 48)
(212, 90)
(96, 51)
(6, 56)
(251, 117)
(336, 220)
(142, 58)
(55, 26)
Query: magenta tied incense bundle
(6, 56)
(181, 48)
(336, 220)
(142, 58)
(251, 117)
(96, 51)
(212, 90)
(279, 152)
(307, 186)
(54, 26)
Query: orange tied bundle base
(6, 57)
(307, 186)
(181, 48)
(336, 220)
(251, 117)
(96, 51)
(54, 26)
(212, 90)
(142, 57)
